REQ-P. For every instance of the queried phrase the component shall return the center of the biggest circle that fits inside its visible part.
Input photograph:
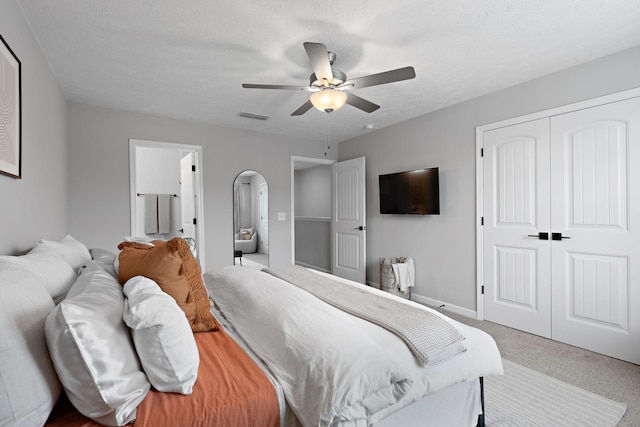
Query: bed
(253, 367)
(251, 304)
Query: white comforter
(336, 369)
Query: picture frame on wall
(10, 112)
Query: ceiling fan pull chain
(328, 132)
(327, 135)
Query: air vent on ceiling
(254, 116)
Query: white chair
(247, 246)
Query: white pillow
(162, 336)
(29, 387)
(145, 240)
(104, 259)
(92, 351)
(72, 250)
(116, 265)
(51, 270)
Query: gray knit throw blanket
(432, 339)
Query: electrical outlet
(282, 216)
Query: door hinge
(481, 220)
(482, 289)
(194, 221)
(482, 152)
(193, 168)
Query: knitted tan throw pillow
(172, 266)
(191, 269)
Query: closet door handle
(541, 235)
(558, 236)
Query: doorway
(339, 237)
(165, 182)
(311, 212)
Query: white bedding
(332, 374)
(481, 359)
(337, 369)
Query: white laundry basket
(388, 280)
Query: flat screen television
(414, 192)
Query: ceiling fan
(331, 87)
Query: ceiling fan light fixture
(328, 100)
(328, 83)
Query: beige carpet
(524, 397)
(605, 376)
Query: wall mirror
(251, 220)
(166, 192)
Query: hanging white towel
(411, 273)
(404, 273)
(164, 213)
(396, 273)
(150, 213)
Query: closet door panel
(516, 266)
(595, 199)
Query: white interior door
(576, 177)
(595, 164)
(348, 222)
(516, 262)
(187, 195)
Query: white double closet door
(561, 234)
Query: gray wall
(35, 206)
(313, 191)
(99, 176)
(158, 172)
(443, 246)
(313, 244)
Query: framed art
(10, 112)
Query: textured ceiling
(187, 59)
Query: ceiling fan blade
(284, 87)
(405, 73)
(319, 57)
(303, 108)
(361, 103)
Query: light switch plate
(282, 216)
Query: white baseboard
(302, 264)
(373, 285)
(435, 303)
(441, 304)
